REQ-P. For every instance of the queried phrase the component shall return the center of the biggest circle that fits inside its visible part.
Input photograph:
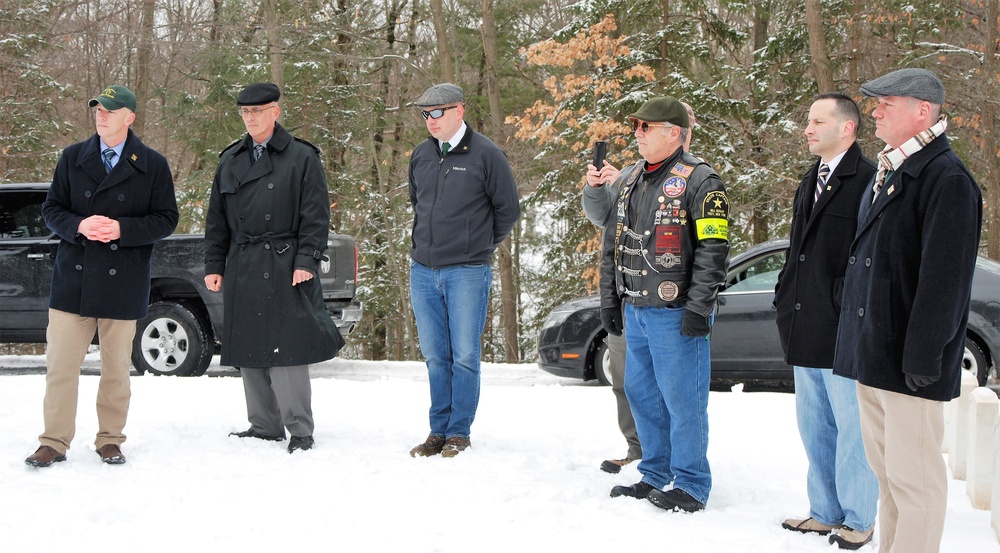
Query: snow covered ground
(530, 482)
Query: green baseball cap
(664, 109)
(115, 97)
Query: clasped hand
(100, 228)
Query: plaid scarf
(890, 159)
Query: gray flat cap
(439, 95)
(914, 83)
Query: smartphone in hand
(600, 150)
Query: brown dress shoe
(431, 446)
(111, 454)
(455, 445)
(44, 456)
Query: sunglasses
(435, 113)
(636, 125)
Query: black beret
(258, 94)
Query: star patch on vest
(715, 217)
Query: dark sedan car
(745, 344)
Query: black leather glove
(915, 382)
(694, 325)
(611, 319)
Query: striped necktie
(108, 154)
(257, 151)
(824, 173)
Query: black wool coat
(810, 285)
(108, 280)
(265, 220)
(909, 277)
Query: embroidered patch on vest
(674, 187)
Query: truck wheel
(172, 340)
(602, 363)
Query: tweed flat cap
(258, 94)
(910, 82)
(114, 97)
(439, 95)
(664, 109)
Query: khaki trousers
(68, 336)
(902, 436)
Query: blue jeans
(450, 307)
(666, 380)
(841, 485)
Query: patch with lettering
(667, 290)
(668, 240)
(674, 187)
(715, 205)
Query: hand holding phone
(600, 150)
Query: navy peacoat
(265, 220)
(810, 285)
(108, 280)
(909, 277)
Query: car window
(756, 275)
(21, 215)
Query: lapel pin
(890, 190)
(134, 157)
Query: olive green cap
(664, 109)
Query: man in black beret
(266, 230)
(906, 304)
(664, 258)
(111, 199)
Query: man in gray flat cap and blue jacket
(906, 304)
(465, 204)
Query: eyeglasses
(435, 113)
(636, 125)
(247, 112)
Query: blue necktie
(109, 154)
(257, 151)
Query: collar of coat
(279, 141)
(134, 152)
(463, 145)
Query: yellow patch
(713, 228)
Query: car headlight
(557, 317)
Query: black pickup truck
(180, 334)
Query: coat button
(243, 247)
(267, 246)
(802, 257)
(267, 275)
(121, 197)
(798, 306)
(112, 272)
(87, 194)
(270, 185)
(852, 260)
(241, 218)
(114, 247)
(79, 267)
(267, 217)
(868, 262)
(861, 311)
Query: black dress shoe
(672, 500)
(251, 433)
(300, 442)
(638, 490)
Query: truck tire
(172, 340)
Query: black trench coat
(265, 220)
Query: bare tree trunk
(759, 220)
(143, 71)
(991, 147)
(821, 66)
(443, 44)
(508, 294)
(855, 41)
(274, 46)
(664, 43)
